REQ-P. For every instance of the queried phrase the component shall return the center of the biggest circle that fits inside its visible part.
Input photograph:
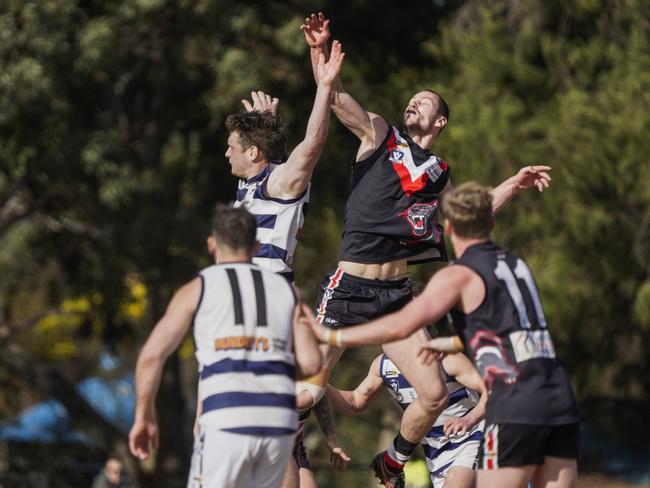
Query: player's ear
(449, 229)
(441, 121)
(211, 243)
(256, 248)
(253, 153)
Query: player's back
(508, 340)
(243, 335)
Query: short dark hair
(234, 227)
(443, 108)
(264, 130)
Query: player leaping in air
(390, 221)
(275, 189)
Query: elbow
(358, 408)
(399, 332)
(150, 358)
(309, 366)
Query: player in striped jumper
(275, 189)
(272, 187)
(250, 344)
(451, 445)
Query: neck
(424, 140)
(460, 244)
(254, 170)
(225, 255)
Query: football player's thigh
(307, 479)
(556, 473)
(505, 477)
(460, 477)
(403, 354)
(272, 460)
(227, 459)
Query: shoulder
(189, 295)
(454, 273)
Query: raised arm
(370, 128)
(525, 178)
(460, 367)
(291, 178)
(356, 401)
(163, 340)
(305, 346)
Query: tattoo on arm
(323, 414)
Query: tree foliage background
(111, 156)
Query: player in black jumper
(390, 222)
(532, 429)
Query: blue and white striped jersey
(461, 401)
(244, 347)
(278, 222)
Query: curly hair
(264, 130)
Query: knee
(433, 397)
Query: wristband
(447, 344)
(335, 338)
(326, 335)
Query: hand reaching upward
(330, 69)
(316, 29)
(262, 102)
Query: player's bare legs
(460, 477)
(505, 477)
(307, 479)
(291, 479)
(427, 381)
(556, 473)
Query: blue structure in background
(49, 421)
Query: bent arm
(440, 295)
(164, 339)
(370, 128)
(306, 351)
(525, 178)
(460, 367)
(291, 179)
(356, 401)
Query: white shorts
(224, 460)
(465, 456)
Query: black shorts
(349, 300)
(300, 454)
(515, 445)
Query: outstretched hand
(339, 459)
(262, 102)
(533, 176)
(143, 433)
(316, 29)
(328, 70)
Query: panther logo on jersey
(491, 359)
(419, 217)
